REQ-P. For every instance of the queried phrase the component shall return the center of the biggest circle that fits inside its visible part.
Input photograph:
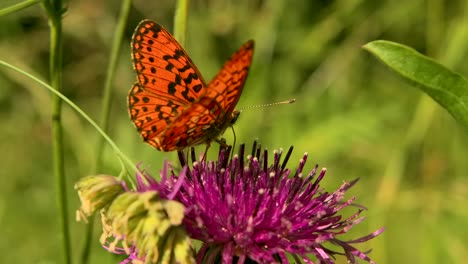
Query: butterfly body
(171, 105)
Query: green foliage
(449, 89)
(351, 114)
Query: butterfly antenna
(290, 101)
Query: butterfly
(171, 105)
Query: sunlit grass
(352, 115)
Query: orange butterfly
(171, 105)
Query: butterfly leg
(187, 155)
(228, 148)
(222, 142)
(235, 140)
(206, 150)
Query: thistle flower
(96, 192)
(249, 211)
(147, 228)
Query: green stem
(105, 111)
(180, 21)
(111, 69)
(54, 11)
(18, 7)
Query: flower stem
(180, 21)
(54, 10)
(105, 111)
(17, 7)
(111, 69)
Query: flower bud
(148, 225)
(95, 193)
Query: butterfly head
(234, 116)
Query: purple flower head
(250, 211)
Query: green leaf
(446, 87)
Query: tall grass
(352, 115)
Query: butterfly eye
(235, 114)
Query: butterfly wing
(149, 113)
(226, 87)
(211, 114)
(168, 81)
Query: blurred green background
(352, 115)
